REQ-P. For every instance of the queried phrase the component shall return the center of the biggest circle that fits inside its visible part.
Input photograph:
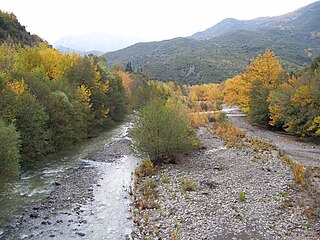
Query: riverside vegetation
(170, 201)
(51, 100)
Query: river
(106, 215)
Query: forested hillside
(12, 31)
(226, 49)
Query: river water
(111, 202)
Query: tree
(9, 152)
(129, 67)
(264, 75)
(251, 89)
(161, 132)
(31, 121)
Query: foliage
(251, 89)
(54, 99)
(161, 132)
(199, 119)
(234, 137)
(273, 98)
(9, 152)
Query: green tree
(116, 99)
(31, 121)
(161, 131)
(9, 152)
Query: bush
(161, 131)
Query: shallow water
(111, 207)
(38, 181)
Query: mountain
(225, 49)
(12, 31)
(70, 50)
(302, 21)
(101, 42)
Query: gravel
(267, 210)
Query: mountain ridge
(13, 32)
(275, 22)
(295, 38)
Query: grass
(188, 185)
(165, 178)
(298, 172)
(242, 196)
(146, 168)
(233, 136)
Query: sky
(150, 20)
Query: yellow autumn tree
(250, 90)
(237, 92)
(55, 63)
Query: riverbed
(82, 195)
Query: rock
(81, 234)
(34, 215)
(56, 183)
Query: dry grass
(146, 168)
(298, 172)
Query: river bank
(223, 193)
(91, 202)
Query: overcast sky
(147, 19)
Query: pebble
(214, 209)
(81, 234)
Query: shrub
(188, 185)
(162, 132)
(199, 119)
(146, 168)
(231, 135)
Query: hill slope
(11, 30)
(225, 49)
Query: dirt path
(300, 150)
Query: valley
(214, 135)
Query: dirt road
(300, 150)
